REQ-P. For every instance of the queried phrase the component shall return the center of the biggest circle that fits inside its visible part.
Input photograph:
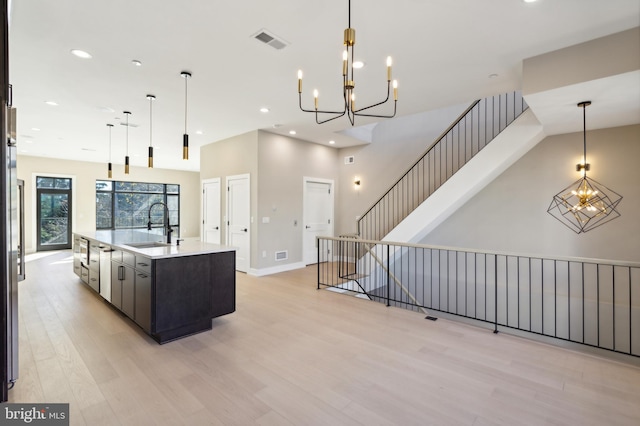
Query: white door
(318, 215)
(239, 219)
(211, 211)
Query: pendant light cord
(150, 121)
(584, 133)
(127, 134)
(185, 104)
(349, 15)
(109, 126)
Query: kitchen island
(169, 290)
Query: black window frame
(168, 190)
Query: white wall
(84, 176)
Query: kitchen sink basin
(147, 244)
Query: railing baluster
(442, 160)
(391, 274)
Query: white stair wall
(503, 151)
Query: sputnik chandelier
(348, 87)
(585, 204)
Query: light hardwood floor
(293, 355)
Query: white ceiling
(443, 52)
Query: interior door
(318, 215)
(211, 211)
(239, 219)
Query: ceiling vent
(270, 39)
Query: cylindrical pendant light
(126, 158)
(185, 138)
(110, 165)
(151, 99)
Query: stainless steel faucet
(166, 225)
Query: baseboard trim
(276, 269)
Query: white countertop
(120, 238)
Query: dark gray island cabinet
(169, 291)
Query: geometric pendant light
(110, 166)
(585, 204)
(126, 158)
(185, 137)
(151, 99)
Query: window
(125, 205)
(53, 213)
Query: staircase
(468, 136)
(493, 132)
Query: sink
(147, 244)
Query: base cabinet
(169, 297)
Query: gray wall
(276, 165)
(395, 145)
(282, 164)
(510, 214)
(234, 156)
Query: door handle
(307, 227)
(216, 228)
(244, 230)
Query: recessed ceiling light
(137, 63)
(264, 110)
(292, 132)
(358, 64)
(332, 142)
(107, 109)
(81, 54)
(35, 129)
(52, 103)
(529, 1)
(199, 132)
(277, 126)
(493, 75)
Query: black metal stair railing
(467, 136)
(587, 301)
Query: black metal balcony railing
(467, 136)
(592, 302)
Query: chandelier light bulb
(315, 98)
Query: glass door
(54, 213)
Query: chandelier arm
(328, 119)
(379, 116)
(379, 103)
(317, 111)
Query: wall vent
(282, 255)
(350, 159)
(270, 39)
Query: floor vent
(282, 255)
(271, 39)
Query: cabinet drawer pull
(143, 264)
(143, 276)
(121, 273)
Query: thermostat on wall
(350, 159)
